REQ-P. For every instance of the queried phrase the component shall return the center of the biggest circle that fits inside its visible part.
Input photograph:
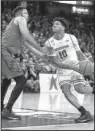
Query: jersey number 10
(63, 54)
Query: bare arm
(25, 33)
(44, 57)
(54, 61)
(81, 55)
(34, 51)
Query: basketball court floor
(49, 111)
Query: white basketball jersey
(65, 48)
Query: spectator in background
(32, 80)
(24, 67)
(3, 26)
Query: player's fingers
(50, 50)
(80, 71)
(44, 50)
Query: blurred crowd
(40, 28)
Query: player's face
(57, 27)
(25, 14)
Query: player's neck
(59, 36)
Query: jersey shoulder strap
(71, 39)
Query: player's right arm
(33, 50)
(22, 23)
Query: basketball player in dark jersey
(11, 45)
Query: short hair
(61, 20)
(17, 9)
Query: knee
(79, 88)
(66, 90)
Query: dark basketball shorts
(10, 67)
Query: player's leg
(65, 85)
(20, 82)
(83, 88)
(7, 112)
(12, 70)
(66, 89)
(85, 115)
(80, 85)
(4, 86)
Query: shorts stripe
(71, 82)
(81, 80)
(63, 82)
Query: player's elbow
(25, 35)
(26, 38)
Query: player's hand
(77, 69)
(44, 50)
(50, 50)
(45, 58)
(47, 50)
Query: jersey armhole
(71, 39)
(73, 42)
(15, 21)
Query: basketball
(86, 67)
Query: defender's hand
(47, 50)
(46, 58)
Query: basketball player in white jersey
(66, 51)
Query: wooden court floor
(46, 111)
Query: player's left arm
(33, 50)
(54, 61)
(80, 54)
